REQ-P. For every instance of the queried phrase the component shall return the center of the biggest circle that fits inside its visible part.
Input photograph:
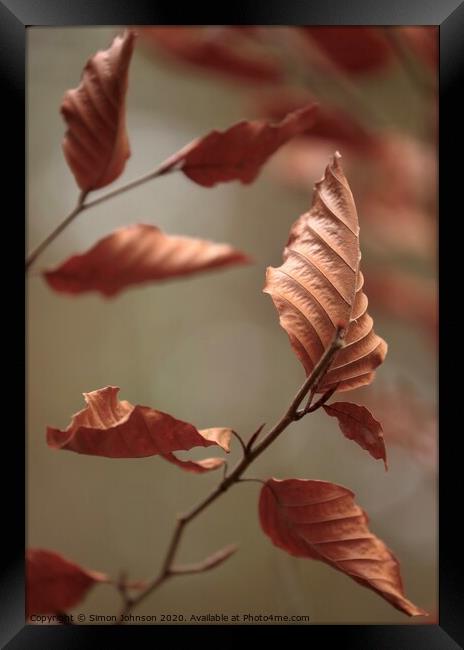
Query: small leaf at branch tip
(358, 424)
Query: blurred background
(209, 349)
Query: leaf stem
(291, 415)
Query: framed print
(231, 323)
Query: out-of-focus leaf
(96, 145)
(139, 254)
(320, 287)
(321, 521)
(331, 124)
(356, 50)
(223, 50)
(357, 423)
(424, 42)
(117, 429)
(54, 584)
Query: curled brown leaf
(117, 429)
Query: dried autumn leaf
(55, 584)
(96, 145)
(321, 521)
(356, 423)
(239, 152)
(117, 429)
(319, 286)
(223, 50)
(136, 254)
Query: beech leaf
(117, 429)
(356, 423)
(319, 287)
(239, 152)
(55, 584)
(96, 145)
(136, 254)
(321, 521)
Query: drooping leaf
(219, 49)
(117, 429)
(321, 521)
(357, 50)
(320, 286)
(356, 423)
(96, 145)
(55, 584)
(137, 254)
(239, 152)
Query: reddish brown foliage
(319, 286)
(55, 584)
(321, 521)
(138, 254)
(239, 152)
(96, 144)
(117, 429)
(357, 423)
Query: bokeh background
(209, 349)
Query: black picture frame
(15, 17)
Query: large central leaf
(319, 286)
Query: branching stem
(165, 168)
(291, 415)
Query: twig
(242, 444)
(290, 415)
(209, 563)
(165, 168)
(48, 240)
(254, 437)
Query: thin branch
(209, 563)
(242, 444)
(290, 415)
(48, 240)
(165, 168)
(254, 437)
